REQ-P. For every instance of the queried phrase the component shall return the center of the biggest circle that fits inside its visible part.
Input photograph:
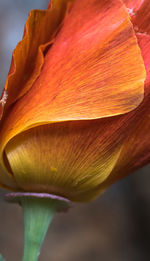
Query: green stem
(38, 213)
(1, 258)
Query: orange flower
(76, 117)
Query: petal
(27, 59)
(138, 142)
(135, 152)
(94, 69)
(7, 180)
(133, 5)
(1, 109)
(88, 70)
(3, 102)
(144, 43)
(140, 13)
(67, 159)
(142, 18)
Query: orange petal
(144, 43)
(6, 180)
(94, 69)
(3, 102)
(138, 142)
(27, 60)
(1, 109)
(135, 152)
(142, 19)
(67, 159)
(133, 5)
(87, 70)
(140, 12)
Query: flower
(76, 118)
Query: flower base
(38, 212)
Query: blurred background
(115, 227)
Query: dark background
(115, 227)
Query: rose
(76, 117)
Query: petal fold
(133, 5)
(28, 57)
(144, 43)
(135, 152)
(94, 69)
(137, 144)
(73, 157)
(27, 60)
(140, 13)
(142, 18)
(7, 180)
(3, 102)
